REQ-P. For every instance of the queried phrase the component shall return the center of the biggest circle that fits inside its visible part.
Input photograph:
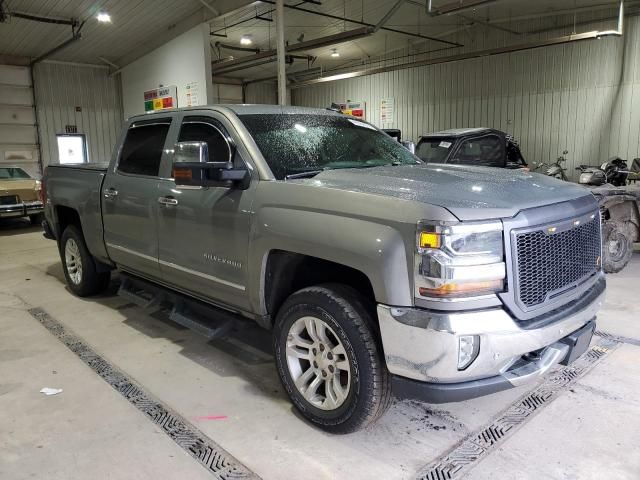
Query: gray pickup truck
(375, 272)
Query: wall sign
(191, 90)
(70, 129)
(355, 109)
(387, 110)
(160, 98)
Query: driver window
(200, 130)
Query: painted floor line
(220, 463)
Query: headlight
(461, 260)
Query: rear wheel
(78, 264)
(328, 358)
(617, 246)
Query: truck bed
(79, 188)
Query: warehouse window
(142, 149)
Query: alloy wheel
(73, 261)
(318, 363)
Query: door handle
(168, 201)
(110, 193)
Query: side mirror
(409, 146)
(191, 167)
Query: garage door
(18, 135)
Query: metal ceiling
(449, 20)
(140, 25)
(135, 28)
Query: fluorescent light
(334, 52)
(245, 40)
(103, 17)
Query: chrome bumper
(422, 345)
(21, 209)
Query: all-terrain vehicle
(620, 211)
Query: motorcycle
(614, 171)
(556, 170)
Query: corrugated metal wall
(80, 95)
(264, 92)
(583, 97)
(18, 138)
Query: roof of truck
(459, 132)
(245, 109)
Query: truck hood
(469, 193)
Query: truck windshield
(293, 144)
(13, 173)
(434, 150)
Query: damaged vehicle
(376, 273)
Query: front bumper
(421, 347)
(21, 209)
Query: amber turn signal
(451, 289)
(429, 240)
(182, 173)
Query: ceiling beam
(383, 21)
(298, 47)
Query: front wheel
(617, 246)
(329, 360)
(78, 264)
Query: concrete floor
(89, 431)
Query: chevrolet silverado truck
(375, 272)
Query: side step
(204, 319)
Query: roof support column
(282, 77)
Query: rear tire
(335, 375)
(79, 266)
(617, 246)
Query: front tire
(329, 360)
(79, 266)
(617, 246)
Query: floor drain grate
(617, 338)
(477, 445)
(210, 455)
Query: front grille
(8, 200)
(549, 264)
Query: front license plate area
(578, 342)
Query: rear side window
(142, 149)
(486, 151)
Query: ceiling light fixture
(245, 40)
(103, 17)
(334, 52)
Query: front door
(203, 233)
(130, 198)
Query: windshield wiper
(307, 174)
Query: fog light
(468, 349)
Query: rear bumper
(421, 347)
(21, 209)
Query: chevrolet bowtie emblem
(552, 230)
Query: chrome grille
(549, 264)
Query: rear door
(204, 232)
(130, 198)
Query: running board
(204, 319)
